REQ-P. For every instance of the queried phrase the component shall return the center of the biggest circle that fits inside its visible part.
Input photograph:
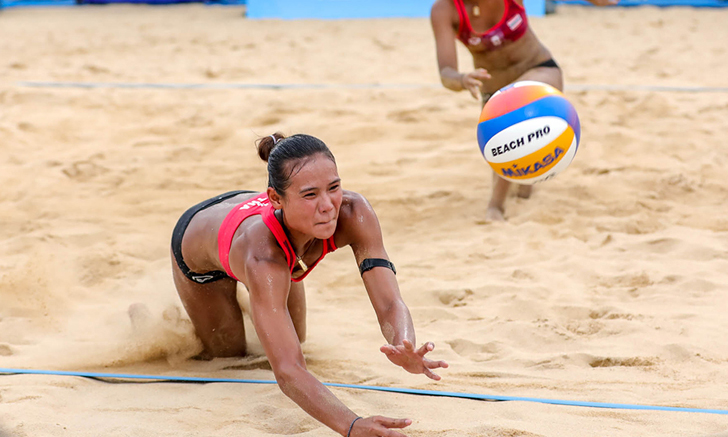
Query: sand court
(608, 285)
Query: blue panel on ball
(554, 106)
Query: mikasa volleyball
(528, 132)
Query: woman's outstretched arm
(268, 284)
(394, 317)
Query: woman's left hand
(412, 360)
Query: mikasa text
(533, 168)
(520, 141)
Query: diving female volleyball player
(508, 51)
(270, 242)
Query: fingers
(381, 426)
(474, 86)
(393, 423)
(427, 347)
(430, 364)
(392, 433)
(481, 73)
(408, 348)
(436, 364)
(390, 351)
(428, 373)
(473, 81)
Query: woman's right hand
(378, 426)
(473, 81)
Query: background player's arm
(447, 58)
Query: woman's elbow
(444, 81)
(448, 82)
(287, 375)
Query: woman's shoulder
(356, 218)
(442, 5)
(352, 202)
(442, 8)
(256, 242)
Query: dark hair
(278, 151)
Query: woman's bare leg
(497, 199)
(552, 76)
(215, 314)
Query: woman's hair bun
(267, 144)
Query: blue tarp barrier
(150, 2)
(43, 3)
(333, 9)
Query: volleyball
(528, 132)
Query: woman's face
(312, 201)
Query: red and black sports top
(511, 27)
(261, 205)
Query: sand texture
(609, 285)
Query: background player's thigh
(550, 75)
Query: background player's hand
(378, 426)
(412, 360)
(473, 81)
(604, 2)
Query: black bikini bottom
(549, 63)
(179, 232)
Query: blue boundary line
(220, 86)
(304, 86)
(481, 397)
